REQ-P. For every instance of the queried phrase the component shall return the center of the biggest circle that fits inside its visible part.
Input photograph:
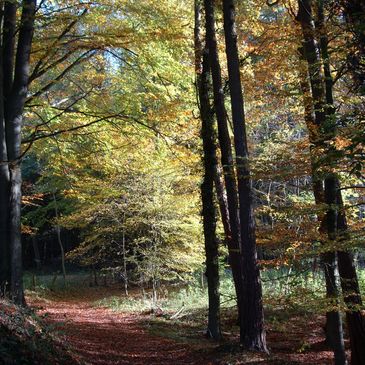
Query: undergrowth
(287, 290)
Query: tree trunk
(335, 218)
(4, 190)
(37, 256)
(59, 240)
(252, 322)
(222, 202)
(15, 99)
(207, 186)
(16, 282)
(234, 244)
(125, 274)
(337, 230)
(333, 326)
(354, 11)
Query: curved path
(99, 336)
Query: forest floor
(98, 335)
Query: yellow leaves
(341, 142)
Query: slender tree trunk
(207, 186)
(59, 239)
(37, 256)
(333, 326)
(348, 276)
(252, 325)
(4, 188)
(338, 228)
(334, 329)
(335, 218)
(234, 248)
(124, 259)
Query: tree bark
(234, 244)
(354, 11)
(252, 325)
(335, 217)
(207, 186)
(4, 189)
(14, 107)
(222, 202)
(337, 229)
(333, 326)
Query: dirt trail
(99, 336)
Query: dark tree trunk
(9, 29)
(207, 186)
(337, 229)
(4, 190)
(252, 322)
(223, 204)
(354, 11)
(334, 329)
(333, 326)
(335, 218)
(234, 248)
(37, 256)
(14, 106)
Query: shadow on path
(99, 336)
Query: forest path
(99, 336)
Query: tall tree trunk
(334, 329)
(333, 326)
(234, 245)
(125, 273)
(14, 107)
(252, 325)
(335, 218)
(348, 276)
(207, 186)
(337, 229)
(4, 189)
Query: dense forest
(182, 182)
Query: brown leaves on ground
(99, 336)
